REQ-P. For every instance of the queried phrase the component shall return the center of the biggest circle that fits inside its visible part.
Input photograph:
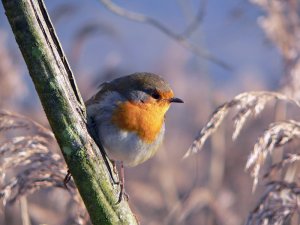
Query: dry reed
(247, 104)
(280, 201)
(33, 164)
(277, 135)
(277, 205)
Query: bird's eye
(155, 95)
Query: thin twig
(191, 28)
(180, 38)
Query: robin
(128, 117)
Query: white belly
(127, 146)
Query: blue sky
(229, 31)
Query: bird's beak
(175, 100)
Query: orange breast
(146, 119)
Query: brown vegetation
(209, 187)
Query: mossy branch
(65, 110)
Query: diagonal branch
(56, 87)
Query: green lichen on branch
(64, 108)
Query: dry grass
(280, 202)
(281, 25)
(277, 205)
(218, 193)
(247, 104)
(33, 165)
(277, 135)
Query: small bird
(128, 117)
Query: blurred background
(249, 50)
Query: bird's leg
(67, 179)
(122, 185)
